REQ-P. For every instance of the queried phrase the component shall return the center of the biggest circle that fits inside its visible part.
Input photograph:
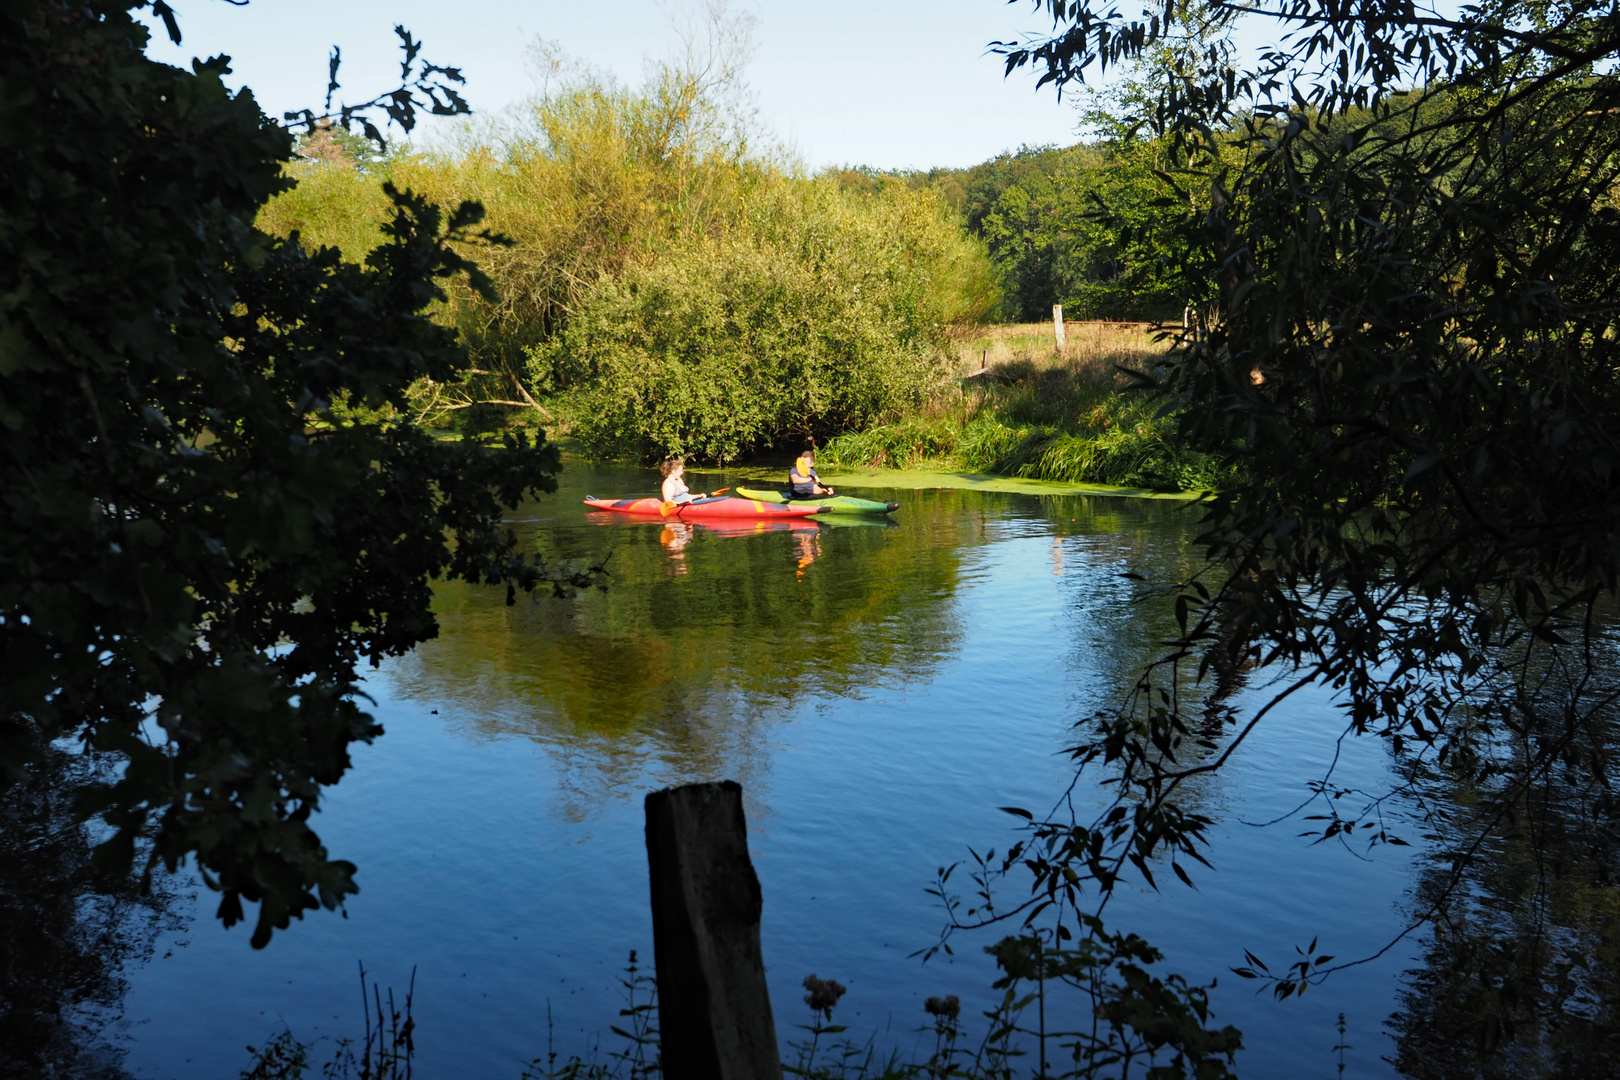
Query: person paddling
(803, 478)
(675, 489)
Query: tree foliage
(197, 552)
(1410, 228)
(1017, 203)
(1093, 226)
(665, 200)
(822, 311)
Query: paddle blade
(666, 509)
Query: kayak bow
(844, 503)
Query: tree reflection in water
(66, 931)
(705, 634)
(1522, 975)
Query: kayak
(723, 506)
(848, 504)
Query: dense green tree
(1128, 253)
(668, 279)
(1095, 226)
(1017, 203)
(197, 553)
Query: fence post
(1057, 324)
(714, 1012)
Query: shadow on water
(66, 932)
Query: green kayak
(847, 504)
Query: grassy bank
(1021, 407)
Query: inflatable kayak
(845, 503)
(723, 506)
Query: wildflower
(949, 1007)
(824, 993)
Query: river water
(879, 690)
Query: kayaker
(675, 489)
(803, 478)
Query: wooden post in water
(1057, 324)
(714, 1012)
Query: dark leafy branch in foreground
(199, 550)
(422, 86)
(1409, 359)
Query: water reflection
(809, 550)
(675, 537)
(881, 700)
(707, 634)
(1521, 969)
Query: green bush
(666, 287)
(822, 311)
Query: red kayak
(722, 506)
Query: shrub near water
(822, 311)
(672, 284)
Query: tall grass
(1041, 413)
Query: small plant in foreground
(947, 1012)
(638, 1060)
(823, 999)
(386, 1053)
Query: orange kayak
(723, 506)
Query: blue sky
(887, 83)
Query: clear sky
(886, 83)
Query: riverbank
(1020, 407)
(930, 480)
(1014, 413)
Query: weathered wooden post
(714, 1012)
(1057, 324)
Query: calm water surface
(878, 690)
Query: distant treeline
(1095, 227)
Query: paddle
(668, 508)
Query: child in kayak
(675, 489)
(803, 478)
